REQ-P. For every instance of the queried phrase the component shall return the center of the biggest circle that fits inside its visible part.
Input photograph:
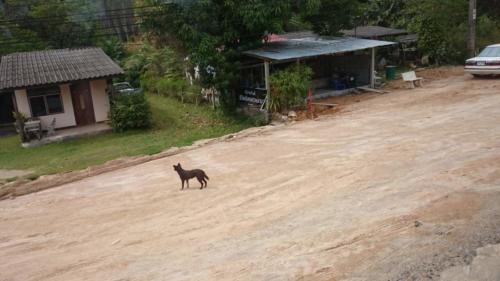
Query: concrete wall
(100, 99)
(23, 105)
(65, 119)
(100, 102)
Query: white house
(68, 85)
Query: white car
(125, 88)
(486, 63)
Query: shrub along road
(397, 187)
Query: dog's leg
(182, 185)
(205, 181)
(201, 182)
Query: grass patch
(175, 124)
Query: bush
(442, 28)
(289, 87)
(130, 111)
(193, 94)
(172, 86)
(114, 48)
(488, 31)
(161, 71)
(136, 64)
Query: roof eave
(20, 87)
(268, 58)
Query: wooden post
(268, 85)
(372, 70)
(214, 91)
(472, 28)
(14, 101)
(310, 104)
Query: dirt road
(397, 187)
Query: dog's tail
(205, 176)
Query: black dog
(187, 175)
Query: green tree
(113, 47)
(58, 24)
(491, 8)
(441, 26)
(63, 24)
(215, 31)
(389, 13)
(328, 17)
(488, 31)
(14, 38)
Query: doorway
(6, 108)
(82, 103)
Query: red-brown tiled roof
(21, 70)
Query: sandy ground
(401, 186)
(484, 267)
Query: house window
(45, 101)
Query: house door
(6, 108)
(82, 103)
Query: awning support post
(372, 70)
(14, 101)
(268, 86)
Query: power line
(104, 13)
(113, 25)
(33, 42)
(100, 19)
(28, 5)
(110, 16)
(26, 40)
(109, 22)
(115, 21)
(93, 33)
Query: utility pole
(472, 28)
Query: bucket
(390, 72)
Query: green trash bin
(390, 72)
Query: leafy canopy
(214, 32)
(34, 24)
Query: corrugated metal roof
(313, 46)
(20, 70)
(371, 31)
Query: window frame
(44, 92)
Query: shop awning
(292, 49)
